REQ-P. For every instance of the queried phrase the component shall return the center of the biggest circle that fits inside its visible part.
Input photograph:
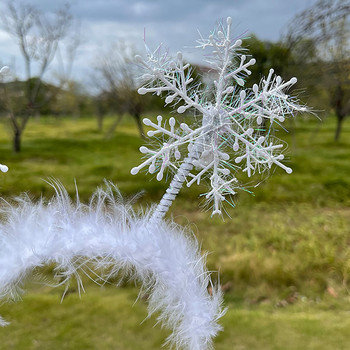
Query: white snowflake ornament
(235, 131)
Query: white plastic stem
(174, 187)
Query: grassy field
(284, 257)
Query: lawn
(283, 256)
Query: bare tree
(324, 30)
(117, 85)
(39, 37)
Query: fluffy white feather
(110, 235)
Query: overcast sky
(175, 23)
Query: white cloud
(173, 23)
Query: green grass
(108, 319)
(284, 255)
(102, 319)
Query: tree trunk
(100, 118)
(137, 117)
(338, 105)
(17, 141)
(339, 127)
(114, 125)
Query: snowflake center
(215, 117)
(207, 157)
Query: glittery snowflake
(235, 130)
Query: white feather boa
(110, 235)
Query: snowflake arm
(168, 150)
(224, 60)
(270, 94)
(169, 75)
(213, 161)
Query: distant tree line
(315, 48)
